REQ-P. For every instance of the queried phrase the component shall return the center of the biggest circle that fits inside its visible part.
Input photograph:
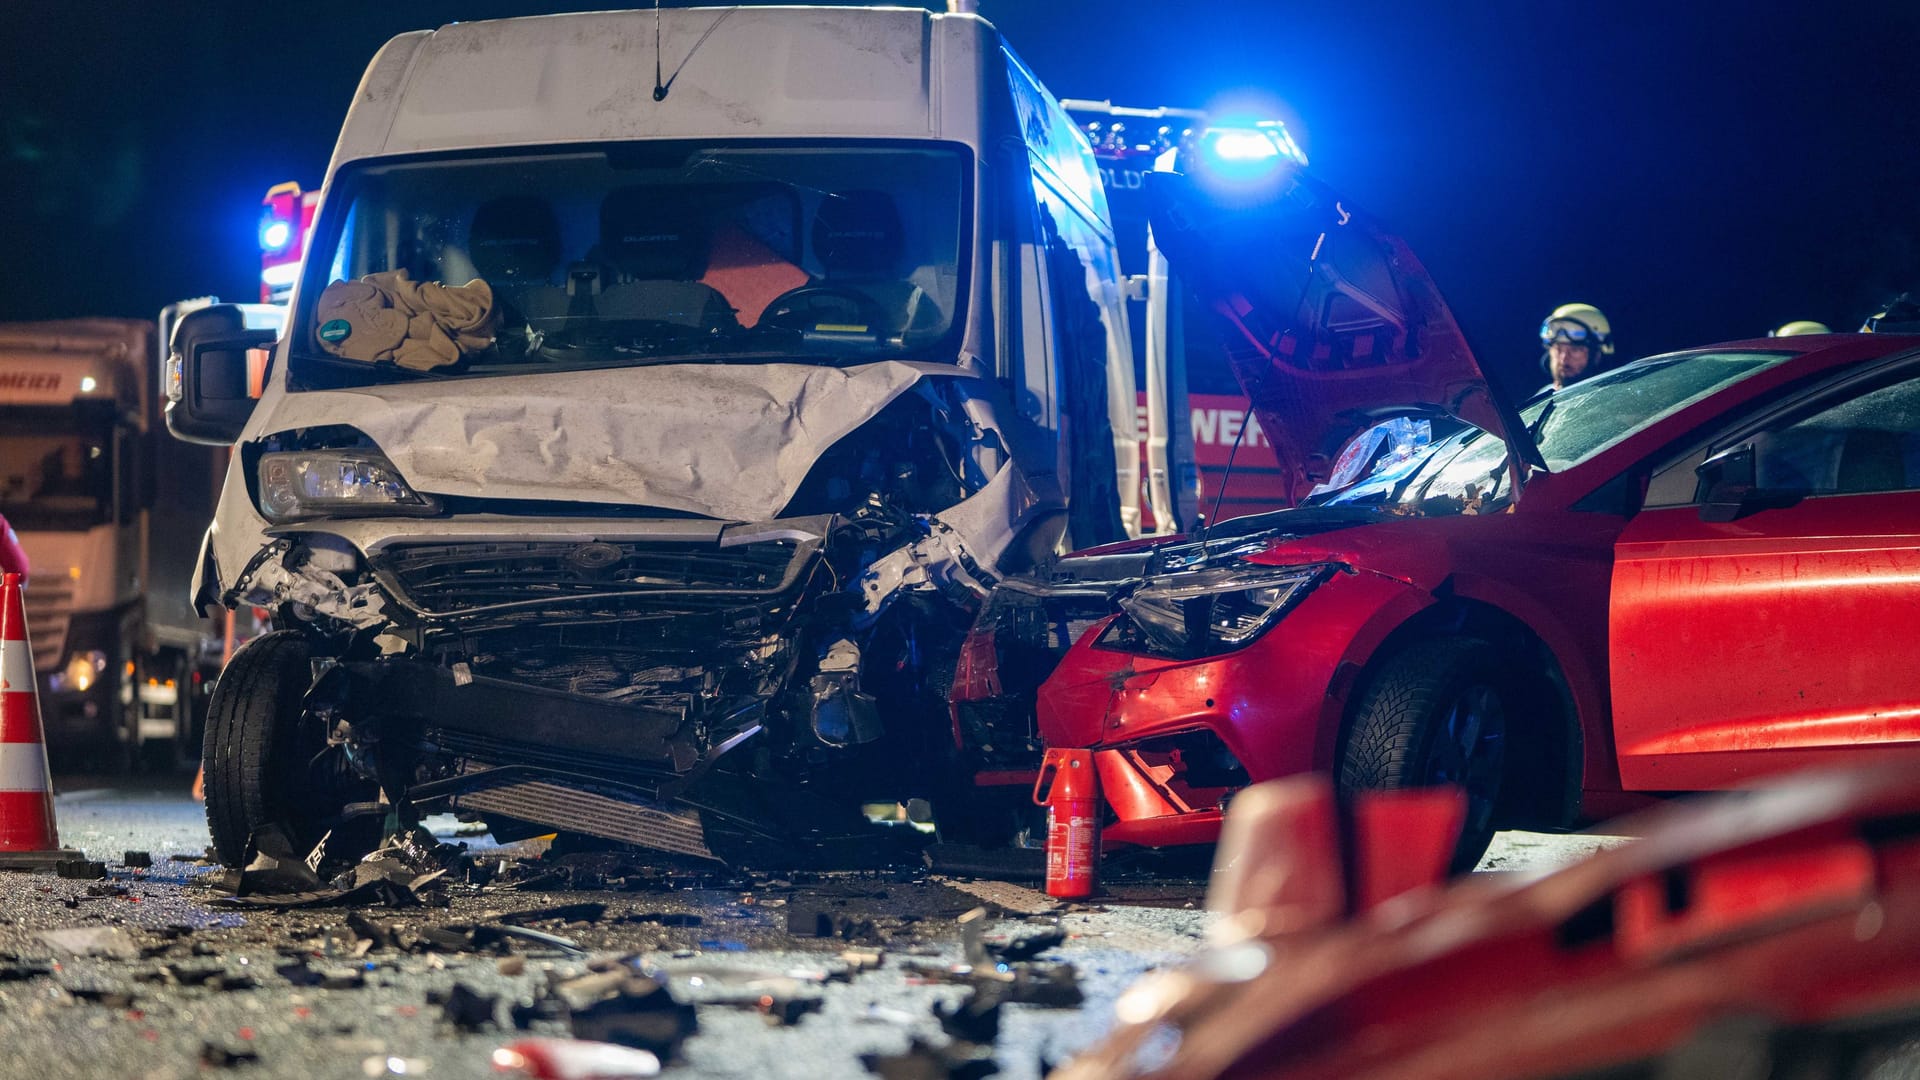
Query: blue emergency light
(1240, 144)
(275, 235)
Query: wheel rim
(1468, 749)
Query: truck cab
(1204, 456)
(634, 436)
(92, 490)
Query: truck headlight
(335, 483)
(1208, 612)
(84, 669)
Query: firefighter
(1578, 340)
(1900, 315)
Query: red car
(1673, 576)
(1773, 933)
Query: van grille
(449, 581)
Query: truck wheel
(265, 767)
(1433, 714)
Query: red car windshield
(1467, 473)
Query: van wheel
(1434, 714)
(266, 767)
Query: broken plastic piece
(574, 1059)
(976, 1019)
(468, 1009)
(641, 1013)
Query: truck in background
(286, 224)
(1193, 416)
(108, 510)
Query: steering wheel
(793, 309)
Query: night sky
(1702, 171)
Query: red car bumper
(1175, 738)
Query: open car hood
(1330, 322)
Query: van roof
(757, 72)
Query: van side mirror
(1727, 484)
(205, 371)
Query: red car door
(1787, 636)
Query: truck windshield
(637, 253)
(56, 469)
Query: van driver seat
(514, 243)
(858, 239)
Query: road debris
(787, 1011)
(565, 913)
(222, 1055)
(80, 869)
(1024, 946)
(137, 860)
(632, 1010)
(574, 1059)
(976, 1017)
(107, 941)
(922, 1060)
(468, 1009)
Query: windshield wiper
(1540, 422)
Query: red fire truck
(1192, 415)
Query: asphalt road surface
(188, 984)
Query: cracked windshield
(1468, 474)
(636, 255)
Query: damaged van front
(639, 449)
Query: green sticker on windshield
(335, 331)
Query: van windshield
(640, 253)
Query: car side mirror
(205, 371)
(1728, 484)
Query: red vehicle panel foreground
(1676, 575)
(1777, 928)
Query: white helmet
(1579, 324)
(1798, 327)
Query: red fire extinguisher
(1070, 790)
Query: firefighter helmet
(1579, 324)
(1801, 326)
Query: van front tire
(259, 757)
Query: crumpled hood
(730, 441)
(1330, 321)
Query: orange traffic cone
(27, 836)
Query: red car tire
(1435, 713)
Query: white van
(640, 444)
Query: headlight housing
(1208, 612)
(335, 483)
(82, 671)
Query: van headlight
(335, 483)
(1207, 612)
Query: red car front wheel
(1435, 713)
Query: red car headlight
(1208, 612)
